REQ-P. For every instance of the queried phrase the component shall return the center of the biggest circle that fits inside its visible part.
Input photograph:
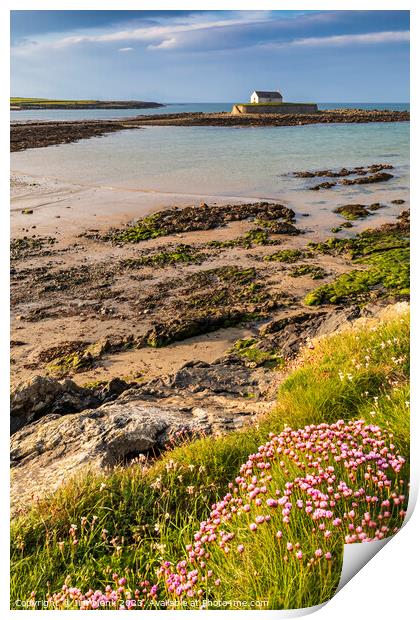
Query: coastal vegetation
(31, 103)
(245, 515)
(236, 476)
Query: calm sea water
(170, 108)
(223, 161)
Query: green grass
(49, 102)
(150, 514)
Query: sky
(211, 56)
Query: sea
(251, 162)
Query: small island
(28, 103)
(271, 102)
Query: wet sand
(79, 289)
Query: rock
(344, 172)
(218, 378)
(27, 211)
(289, 334)
(398, 201)
(373, 178)
(283, 228)
(352, 212)
(404, 216)
(199, 399)
(188, 219)
(163, 334)
(325, 185)
(43, 395)
(45, 453)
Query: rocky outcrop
(378, 177)
(199, 398)
(47, 452)
(43, 395)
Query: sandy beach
(72, 290)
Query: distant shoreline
(17, 104)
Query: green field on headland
(328, 465)
(28, 103)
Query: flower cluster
(307, 490)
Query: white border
(387, 585)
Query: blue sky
(186, 56)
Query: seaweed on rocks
(176, 220)
(384, 258)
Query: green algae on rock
(249, 350)
(352, 212)
(388, 276)
(193, 218)
(288, 256)
(385, 251)
(316, 273)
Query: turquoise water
(170, 108)
(253, 162)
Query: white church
(266, 96)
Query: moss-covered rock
(314, 272)
(288, 256)
(188, 219)
(352, 212)
(182, 253)
(248, 349)
(388, 275)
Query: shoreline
(37, 134)
(84, 105)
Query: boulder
(44, 395)
(31, 400)
(49, 451)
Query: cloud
(126, 49)
(352, 39)
(165, 44)
(215, 31)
